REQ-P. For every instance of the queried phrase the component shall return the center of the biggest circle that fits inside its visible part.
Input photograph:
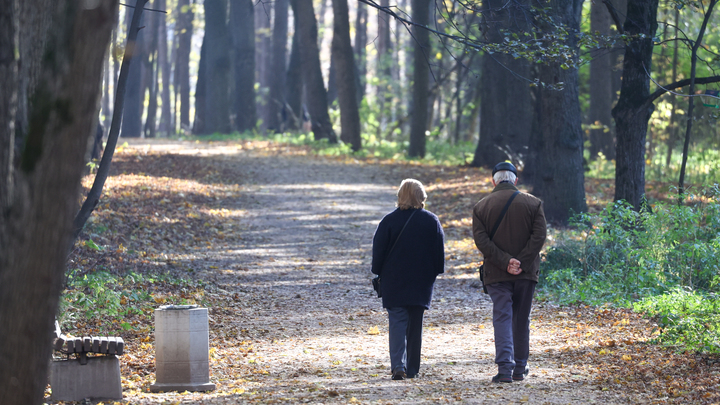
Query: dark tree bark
(263, 53)
(279, 56)
(163, 61)
(342, 53)
(243, 33)
(217, 65)
(62, 117)
(200, 93)
(632, 111)
(673, 127)
(9, 10)
(421, 70)
(184, 34)
(135, 93)
(294, 85)
(312, 75)
(359, 47)
(505, 103)
(602, 135)
(559, 178)
(150, 74)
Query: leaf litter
(275, 241)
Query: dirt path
(299, 322)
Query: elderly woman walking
(408, 254)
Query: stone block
(182, 345)
(99, 379)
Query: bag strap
(502, 214)
(401, 231)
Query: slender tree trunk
(263, 53)
(601, 89)
(312, 75)
(632, 111)
(360, 43)
(217, 65)
(182, 63)
(135, 95)
(151, 74)
(164, 66)
(421, 70)
(201, 92)
(62, 116)
(559, 178)
(505, 104)
(672, 133)
(383, 68)
(294, 85)
(279, 59)
(691, 91)
(347, 92)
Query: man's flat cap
(504, 166)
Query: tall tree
(312, 75)
(359, 47)
(62, 115)
(184, 33)
(421, 70)
(9, 11)
(135, 94)
(279, 60)
(602, 133)
(263, 52)
(201, 92)
(559, 177)
(151, 75)
(243, 34)
(217, 65)
(163, 61)
(505, 103)
(294, 84)
(342, 54)
(632, 112)
(383, 63)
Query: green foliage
(621, 256)
(109, 300)
(686, 318)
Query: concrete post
(182, 349)
(98, 379)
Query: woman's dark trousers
(405, 332)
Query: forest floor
(279, 241)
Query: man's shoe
(412, 376)
(521, 376)
(398, 375)
(502, 378)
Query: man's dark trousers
(512, 302)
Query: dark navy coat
(408, 273)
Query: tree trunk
(383, 69)
(294, 85)
(243, 34)
(312, 75)
(135, 93)
(62, 117)
(559, 178)
(601, 89)
(342, 53)
(505, 104)
(184, 33)
(217, 65)
(360, 43)
(673, 128)
(201, 92)
(263, 54)
(151, 74)
(279, 53)
(421, 70)
(163, 61)
(632, 112)
(9, 10)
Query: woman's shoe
(399, 375)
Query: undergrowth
(664, 261)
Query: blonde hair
(411, 194)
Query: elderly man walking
(509, 229)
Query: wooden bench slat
(120, 346)
(87, 344)
(95, 344)
(103, 345)
(112, 345)
(70, 345)
(59, 342)
(78, 345)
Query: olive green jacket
(521, 234)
